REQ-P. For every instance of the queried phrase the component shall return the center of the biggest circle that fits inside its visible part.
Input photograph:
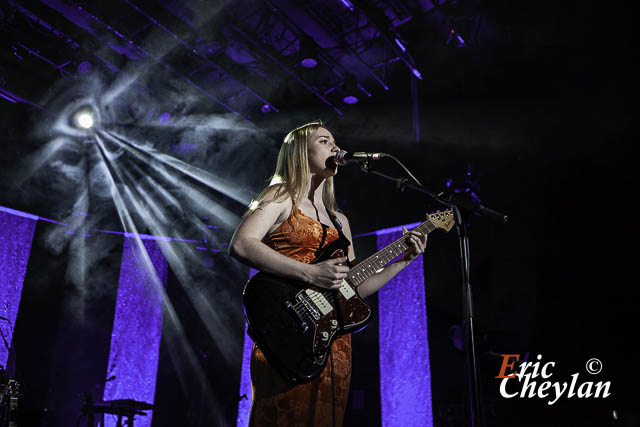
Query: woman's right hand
(328, 274)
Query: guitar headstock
(444, 219)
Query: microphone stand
(459, 205)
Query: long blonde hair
(292, 175)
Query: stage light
(455, 37)
(308, 53)
(350, 99)
(350, 90)
(309, 63)
(84, 67)
(348, 4)
(164, 118)
(84, 119)
(265, 108)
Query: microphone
(344, 158)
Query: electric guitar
(294, 323)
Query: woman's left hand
(417, 243)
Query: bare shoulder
(265, 216)
(273, 198)
(275, 193)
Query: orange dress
(276, 400)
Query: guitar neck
(367, 268)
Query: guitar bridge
(308, 304)
(296, 315)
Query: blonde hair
(292, 175)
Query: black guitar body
(294, 323)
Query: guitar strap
(324, 237)
(336, 222)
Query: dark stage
(135, 133)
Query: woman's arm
(247, 246)
(417, 244)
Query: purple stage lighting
(405, 373)
(350, 99)
(265, 108)
(164, 118)
(8, 98)
(308, 53)
(348, 4)
(459, 41)
(244, 405)
(137, 325)
(309, 63)
(16, 235)
(84, 67)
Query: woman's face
(322, 150)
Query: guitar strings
(331, 295)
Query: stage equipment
(455, 36)
(121, 407)
(9, 394)
(308, 53)
(462, 206)
(344, 158)
(351, 90)
(294, 324)
(347, 4)
(84, 119)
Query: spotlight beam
(164, 193)
(205, 204)
(230, 219)
(218, 184)
(193, 120)
(209, 316)
(78, 265)
(201, 201)
(175, 326)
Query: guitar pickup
(346, 290)
(319, 301)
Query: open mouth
(331, 163)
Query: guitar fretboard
(367, 268)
